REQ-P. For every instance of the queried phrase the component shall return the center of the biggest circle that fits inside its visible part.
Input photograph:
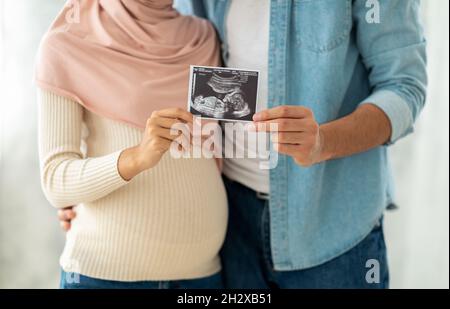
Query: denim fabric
(326, 55)
(247, 261)
(77, 281)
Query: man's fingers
(174, 113)
(289, 137)
(287, 149)
(61, 215)
(284, 111)
(66, 214)
(285, 125)
(65, 225)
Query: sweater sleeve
(66, 177)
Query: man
(343, 80)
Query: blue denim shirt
(326, 55)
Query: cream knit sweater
(167, 223)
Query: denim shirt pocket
(321, 25)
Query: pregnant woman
(113, 78)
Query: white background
(31, 241)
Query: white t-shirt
(247, 28)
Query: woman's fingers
(160, 144)
(170, 125)
(174, 113)
(167, 128)
(166, 133)
(167, 123)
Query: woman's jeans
(77, 281)
(247, 262)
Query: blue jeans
(76, 281)
(247, 262)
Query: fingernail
(257, 117)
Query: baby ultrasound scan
(219, 93)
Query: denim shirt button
(225, 53)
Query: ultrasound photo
(223, 93)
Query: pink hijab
(124, 59)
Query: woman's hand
(155, 142)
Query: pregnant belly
(162, 205)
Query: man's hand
(298, 133)
(300, 136)
(65, 217)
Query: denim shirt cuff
(396, 109)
